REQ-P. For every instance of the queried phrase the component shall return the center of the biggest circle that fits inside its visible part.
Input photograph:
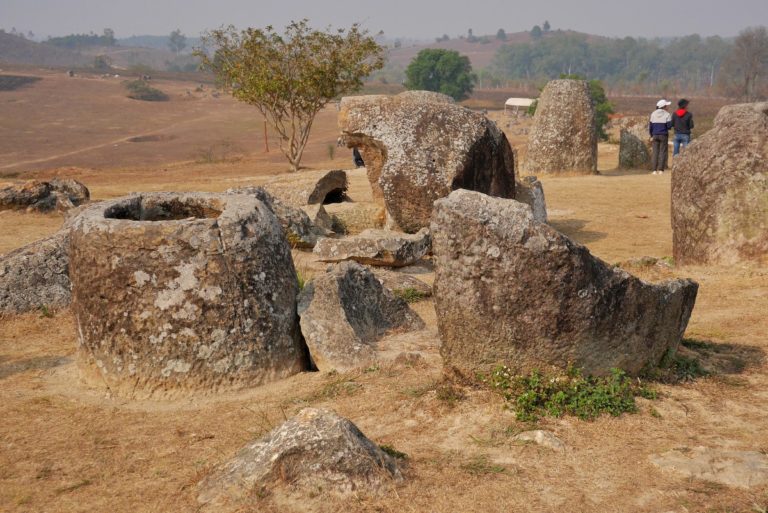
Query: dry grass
(66, 446)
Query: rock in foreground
(310, 187)
(184, 291)
(512, 291)
(316, 450)
(720, 190)
(345, 311)
(419, 146)
(35, 276)
(563, 137)
(742, 469)
(376, 247)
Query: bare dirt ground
(67, 446)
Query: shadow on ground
(8, 369)
(573, 228)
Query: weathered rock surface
(309, 187)
(345, 311)
(315, 450)
(530, 191)
(510, 290)
(742, 469)
(354, 218)
(542, 438)
(39, 196)
(319, 217)
(419, 146)
(633, 151)
(376, 247)
(35, 275)
(184, 291)
(299, 229)
(398, 282)
(720, 190)
(563, 137)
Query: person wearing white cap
(661, 122)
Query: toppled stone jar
(184, 291)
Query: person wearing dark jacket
(682, 121)
(658, 128)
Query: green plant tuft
(140, 90)
(393, 452)
(536, 394)
(409, 294)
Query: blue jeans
(680, 139)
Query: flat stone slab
(309, 187)
(376, 247)
(316, 449)
(741, 469)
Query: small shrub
(537, 394)
(449, 394)
(45, 312)
(480, 465)
(531, 110)
(393, 452)
(676, 368)
(410, 295)
(140, 90)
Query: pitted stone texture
(309, 187)
(184, 291)
(563, 137)
(319, 217)
(315, 450)
(35, 275)
(742, 469)
(420, 146)
(38, 196)
(300, 231)
(376, 247)
(512, 291)
(345, 311)
(530, 191)
(720, 190)
(633, 151)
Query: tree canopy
(289, 77)
(442, 71)
(177, 41)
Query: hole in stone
(335, 196)
(141, 209)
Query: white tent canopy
(518, 102)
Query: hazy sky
(398, 18)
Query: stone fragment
(376, 247)
(300, 231)
(633, 151)
(309, 187)
(345, 311)
(35, 276)
(543, 438)
(563, 137)
(512, 291)
(530, 191)
(184, 291)
(398, 282)
(315, 450)
(720, 191)
(419, 146)
(741, 469)
(41, 196)
(319, 217)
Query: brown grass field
(67, 446)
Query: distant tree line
(74, 41)
(690, 63)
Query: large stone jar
(184, 291)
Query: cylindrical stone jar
(184, 291)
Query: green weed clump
(409, 294)
(140, 90)
(586, 397)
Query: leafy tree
(442, 71)
(536, 32)
(177, 41)
(470, 36)
(749, 59)
(102, 63)
(290, 77)
(108, 37)
(501, 34)
(546, 26)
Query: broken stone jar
(184, 291)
